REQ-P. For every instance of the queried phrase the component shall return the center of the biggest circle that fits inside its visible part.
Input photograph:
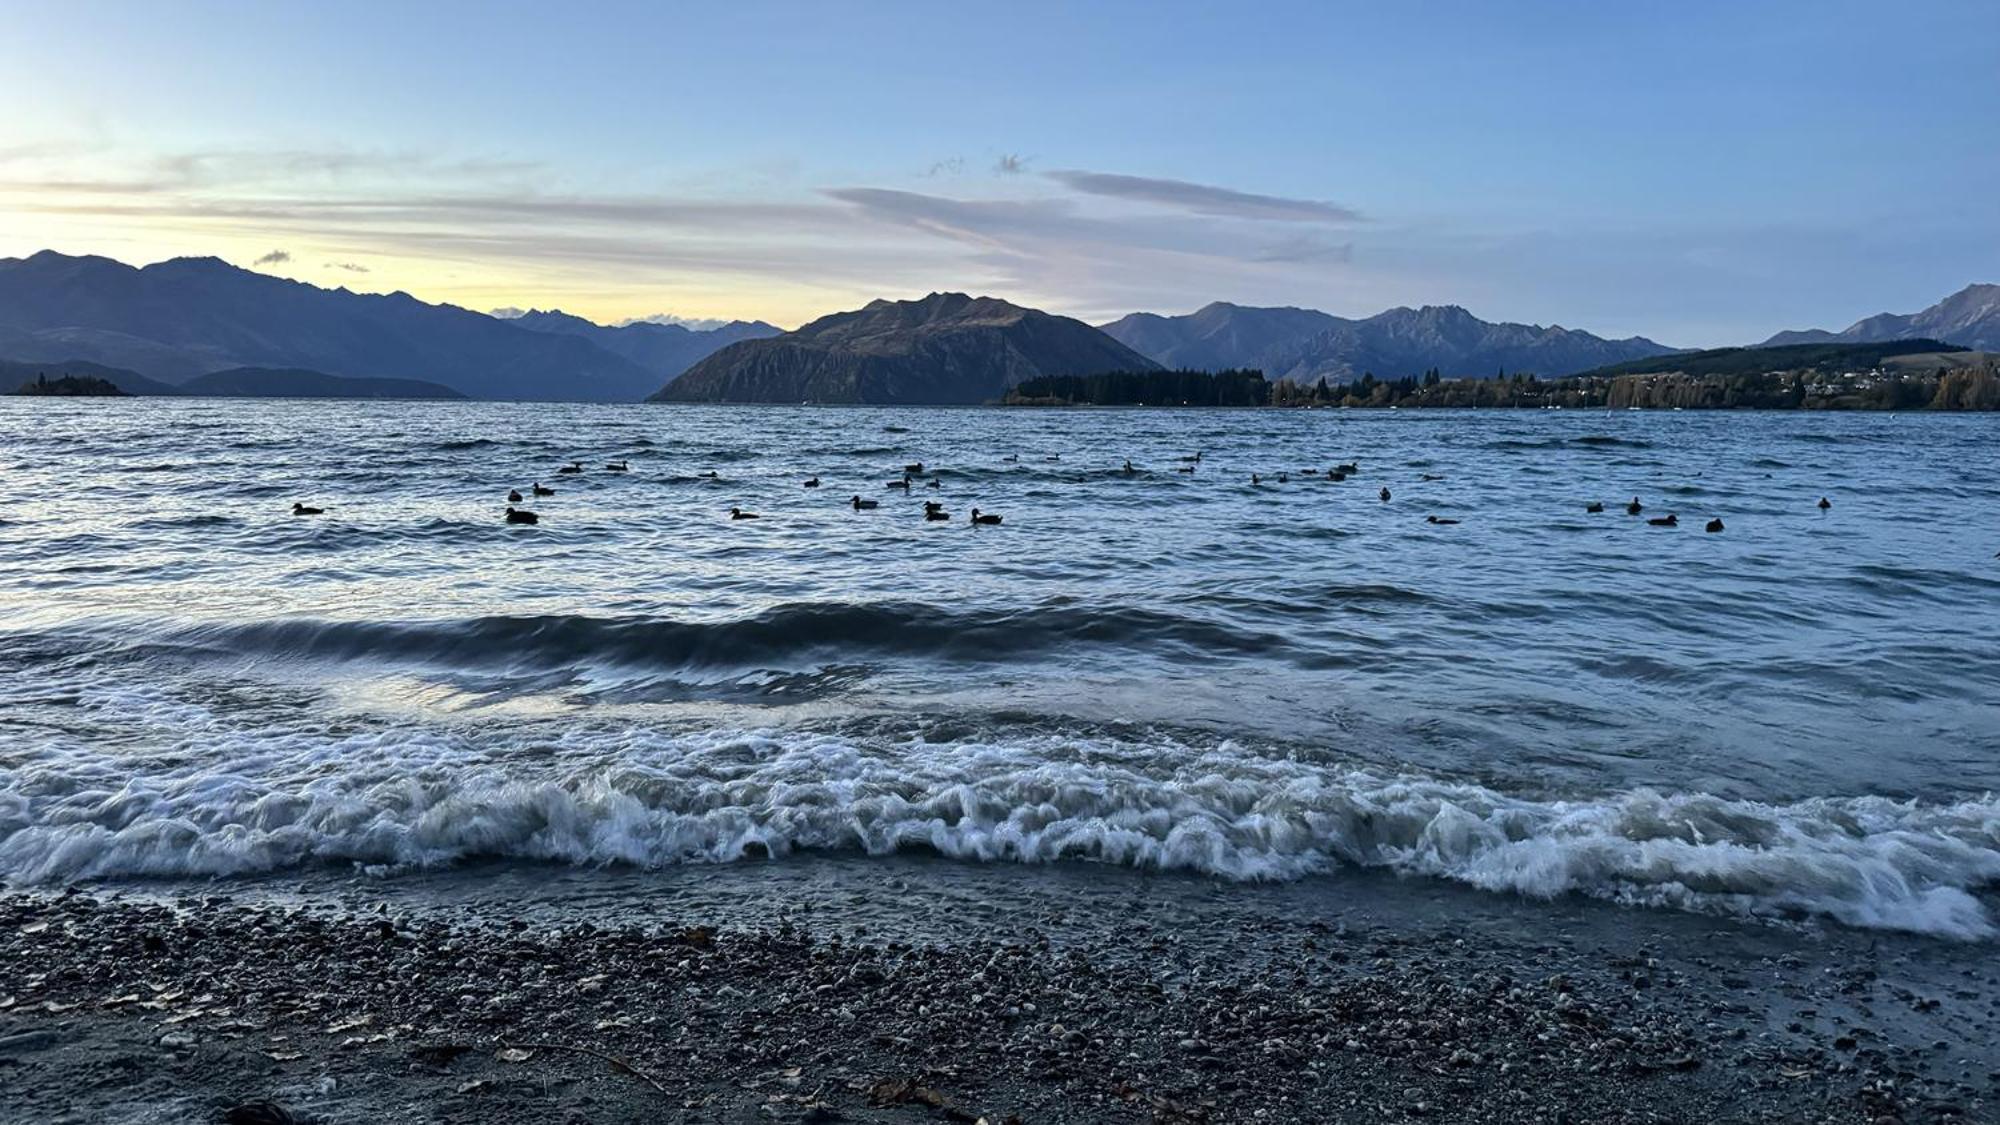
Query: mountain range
(1969, 318)
(1306, 345)
(947, 348)
(178, 319)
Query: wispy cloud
(350, 267)
(274, 258)
(1204, 199)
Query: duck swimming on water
(935, 511)
(617, 467)
(1436, 520)
(1384, 494)
(1634, 508)
(1129, 470)
(903, 484)
(1593, 506)
(740, 514)
(861, 505)
(522, 515)
(301, 510)
(1824, 503)
(811, 483)
(986, 518)
(571, 468)
(540, 491)
(513, 496)
(1668, 520)
(1714, 525)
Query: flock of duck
(934, 510)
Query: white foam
(236, 802)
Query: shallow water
(1799, 716)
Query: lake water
(1797, 717)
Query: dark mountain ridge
(946, 348)
(666, 350)
(177, 319)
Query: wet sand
(1070, 997)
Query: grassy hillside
(1788, 357)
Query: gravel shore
(201, 1007)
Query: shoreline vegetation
(1901, 375)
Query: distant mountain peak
(1969, 318)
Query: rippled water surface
(1798, 716)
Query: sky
(1700, 173)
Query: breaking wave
(399, 800)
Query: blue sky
(1699, 173)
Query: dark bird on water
(572, 467)
(1668, 520)
(1593, 506)
(1010, 458)
(301, 510)
(1431, 476)
(617, 467)
(522, 515)
(540, 491)
(1188, 469)
(712, 475)
(1824, 503)
(1634, 508)
(914, 467)
(1350, 468)
(1255, 479)
(1128, 467)
(812, 483)
(861, 505)
(1336, 475)
(935, 511)
(985, 518)
(1384, 494)
(1714, 525)
(740, 514)
(903, 484)
(1436, 520)
(934, 483)
(513, 496)
(1284, 478)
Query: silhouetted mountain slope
(273, 382)
(1305, 345)
(945, 348)
(1969, 318)
(666, 350)
(181, 318)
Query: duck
(522, 515)
(1335, 475)
(1010, 458)
(1714, 525)
(903, 484)
(861, 505)
(740, 514)
(933, 505)
(1255, 479)
(1594, 506)
(934, 483)
(1308, 472)
(540, 491)
(712, 475)
(1430, 476)
(1438, 521)
(513, 496)
(617, 467)
(914, 468)
(571, 468)
(1284, 478)
(1668, 520)
(1188, 469)
(936, 512)
(1129, 470)
(1634, 508)
(811, 482)
(301, 510)
(1350, 468)
(1384, 494)
(1824, 503)
(987, 518)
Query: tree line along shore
(1904, 375)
